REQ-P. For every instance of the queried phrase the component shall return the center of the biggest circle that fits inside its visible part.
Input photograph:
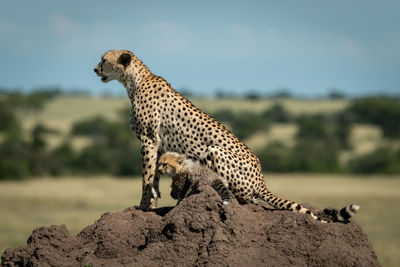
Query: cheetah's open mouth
(104, 78)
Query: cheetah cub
(185, 172)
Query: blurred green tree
(275, 157)
(381, 111)
(383, 160)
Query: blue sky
(306, 46)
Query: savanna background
(312, 88)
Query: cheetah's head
(113, 65)
(171, 163)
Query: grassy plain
(61, 112)
(77, 202)
(294, 106)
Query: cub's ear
(125, 59)
(181, 159)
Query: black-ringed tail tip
(346, 213)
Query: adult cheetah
(164, 120)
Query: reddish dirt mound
(199, 231)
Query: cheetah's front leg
(150, 191)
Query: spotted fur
(185, 172)
(164, 120)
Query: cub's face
(168, 166)
(170, 163)
(113, 65)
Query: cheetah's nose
(95, 70)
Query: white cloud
(241, 41)
(342, 47)
(165, 36)
(62, 25)
(390, 46)
(277, 44)
(7, 28)
(16, 38)
(73, 37)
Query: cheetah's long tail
(343, 215)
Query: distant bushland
(383, 160)
(28, 149)
(34, 100)
(381, 111)
(243, 124)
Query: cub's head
(113, 65)
(171, 163)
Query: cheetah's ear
(181, 159)
(125, 59)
